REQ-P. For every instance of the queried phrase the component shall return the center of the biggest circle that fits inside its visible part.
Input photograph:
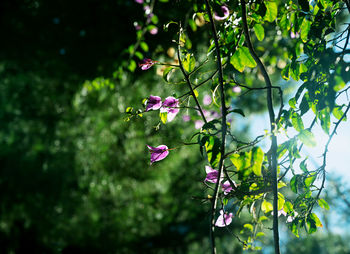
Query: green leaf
(258, 157)
(305, 28)
(189, 62)
(271, 11)
(297, 122)
(310, 179)
(281, 201)
(281, 185)
(282, 149)
(249, 227)
(163, 117)
(323, 204)
(259, 31)
(325, 118)
(302, 166)
(166, 73)
(294, 71)
(288, 207)
(304, 105)
(292, 103)
(316, 219)
(337, 112)
(307, 138)
(339, 83)
(285, 23)
(294, 184)
(242, 162)
(212, 147)
(285, 72)
(241, 59)
(294, 228)
(132, 65)
(238, 111)
(144, 46)
(311, 225)
(266, 206)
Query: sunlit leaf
(266, 206)
(259, 31)
(307, 137)
(271, 10)
(323, 204)
(258, 157)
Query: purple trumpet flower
(224, 219)
(158, 153)
(153, 103)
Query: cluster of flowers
(149, 15)
(212, 177)
(289, 218)
(169, 106)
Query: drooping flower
(170, 105)
(225, 11)
(153, 103)
(212, 175)
(146, 64)
(158, 153)
(207, 99)
(227, 188)
(224, 219)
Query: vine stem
(273, 148)
(223, 127)
(187, 78)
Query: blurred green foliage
(74, 176)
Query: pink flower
(186, 118)
(294, 35)
(170, 105)
(154, 31)
(224, 219)
(139, 1)
(212, 175)
(291, 218)
(153, 103)
(147, 9)
(146, 64)
(158, 153)
(207, 99)
(280, 212)
(198, 124)
(227, 188)
(236, 89)
(225, 11)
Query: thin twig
(189, 85)
(273, 148)
(223, 125)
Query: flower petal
(153, 103)
(158, 153)
(224, 219)
(225, 11)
